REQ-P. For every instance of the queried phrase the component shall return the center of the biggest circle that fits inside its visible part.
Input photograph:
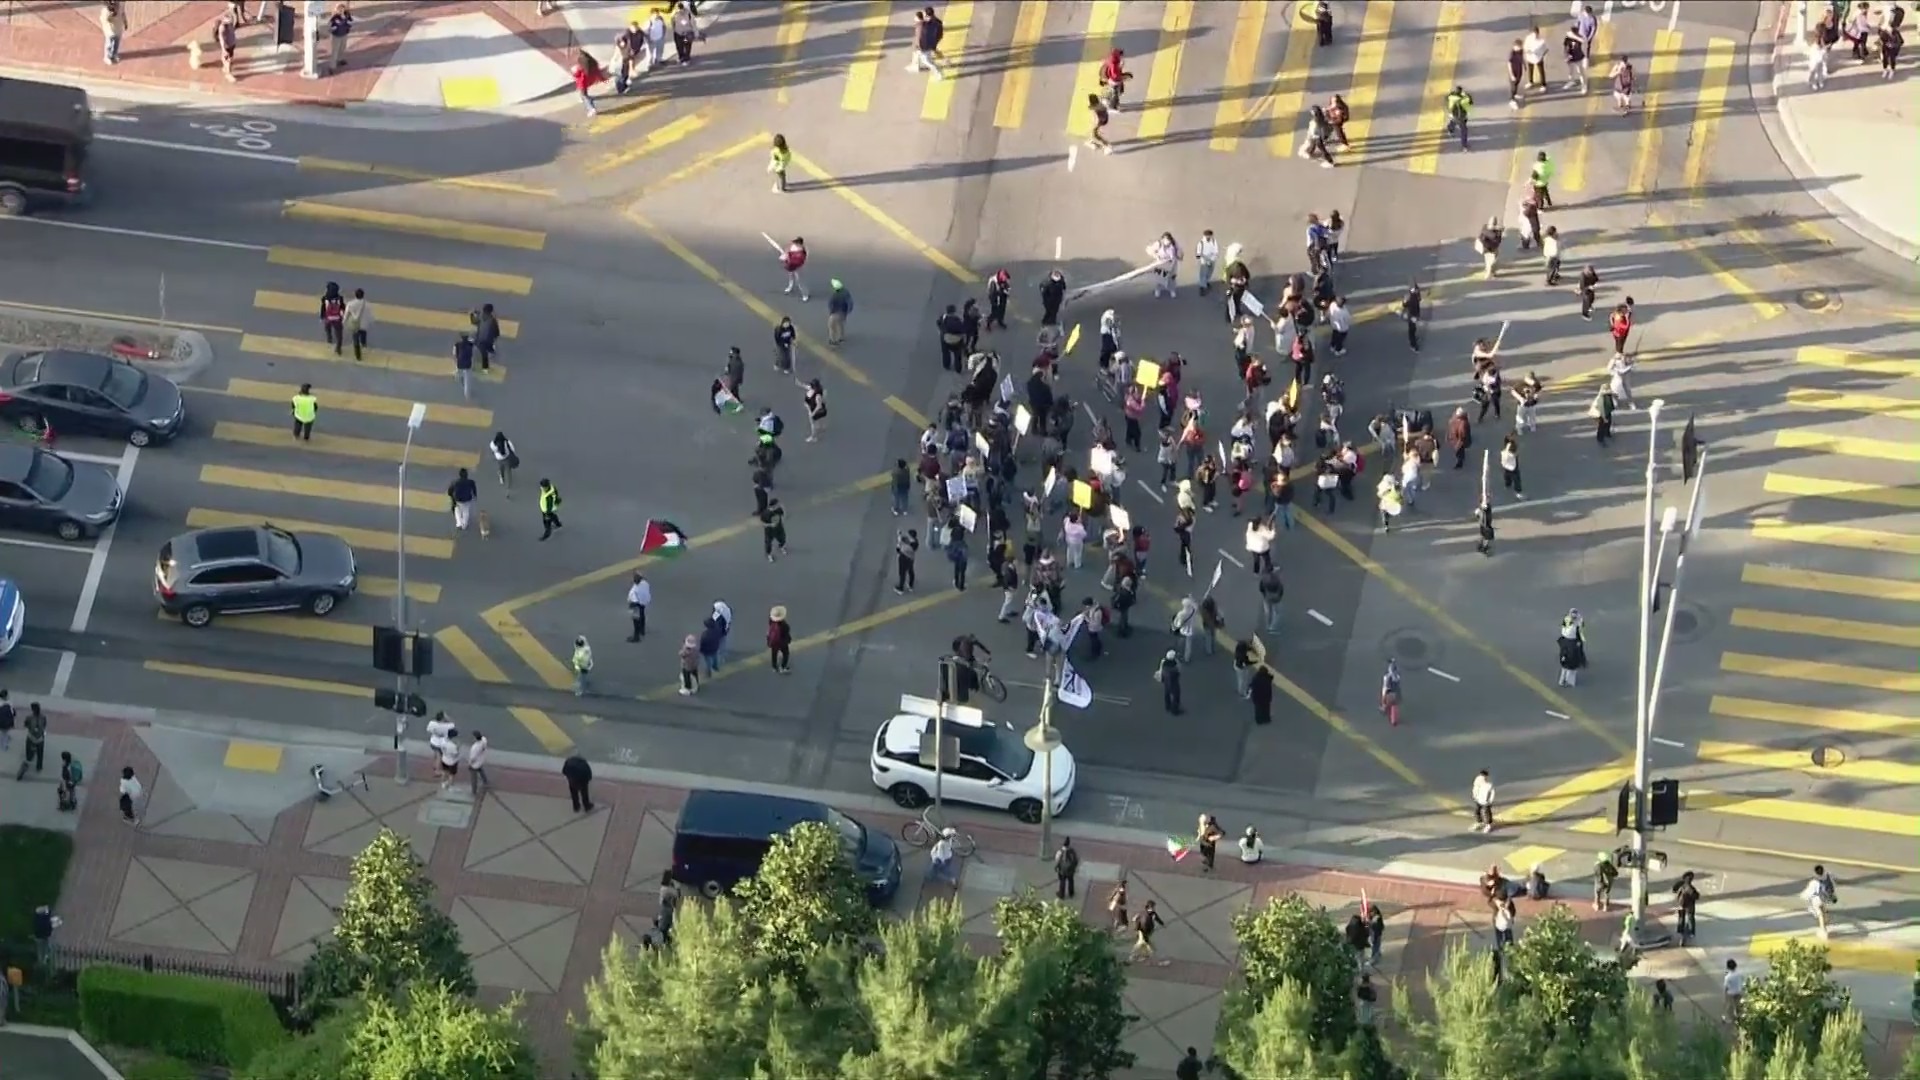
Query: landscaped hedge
(203, 1020)
(162, 1068)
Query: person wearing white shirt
(1206, 255)
(1187, 624)
(1550, 251)
(1534, 47)
(1503, 924)
(639, 596)
(477, 765)
(449, 759)
(438, 729)
(359, 320)
(1260, 544)
(1252, 848)
(1074, 532)
(944, 868)
(1734, 985)
(1483, 801)
(1341, 324)
(130, 792)
(1819, 895)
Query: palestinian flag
(662, 538)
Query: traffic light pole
(1643, 678)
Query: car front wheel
(140, 436)
(322, 603)
(1027, 810)
(13, 203)
(712, 890)
(909, 795)
(197, 616)
(69, 531)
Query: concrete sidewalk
(234, 862)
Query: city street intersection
(626, 254)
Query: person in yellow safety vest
(549, 508)
(1389, 493)
(582, 665)
(306, 408)
(1457, 105)
(1540, 177)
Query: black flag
(1689, 452)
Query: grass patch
(35, 862)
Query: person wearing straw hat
(780, 640)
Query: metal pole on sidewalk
(415, 417)
(1642, 702)
(1673, 591)
(1042, 739)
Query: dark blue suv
(723, 836)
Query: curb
(192, 352)
(1770, 62)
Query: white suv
(996, 769)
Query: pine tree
(1843, 1048)
(1554, 967)
(1477, 1031)
(805, 897)
(1291, 940)
(1795, 997)
(432, 1033)
(1074, 985)
(390, 933)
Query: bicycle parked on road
(923, 830)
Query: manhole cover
(1685, 622)
(1409, 646)
(1818, 300)
(1829, 757)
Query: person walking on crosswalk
(1574, 48)
(927, 32)
(1541, 179)
(358, 320)
(463, 363)
(333, 314)
(582, 664)
(549, 508)
(486, 335)
(505, 459)
(1458, 104)
(306, 409)
(461, 494)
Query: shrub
(189, 1017)
(35, 861)
(162, 1068)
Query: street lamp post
(1042, 739)
(415, 417)
(1638, 878)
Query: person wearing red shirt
(792, 260)
(586, 72)
(1620, 323)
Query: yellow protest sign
(1147, 374)
(1083, 494)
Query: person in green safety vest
(549, 508)
(1457, 106)
(1540, 177)
(306, 409)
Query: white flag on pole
(1072, 688)
(1219, 566)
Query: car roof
(223, 544)
(901, 735)
(16, 461)
(75, 368)
(708, 812)
(45, 108)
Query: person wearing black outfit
(1066, 867)
(953, 338)
(1260, 692)
(1169, 679)
(905, 546)
(773, 529)
(1323, 23)
(579, 774)
(783, 338)
(1053, 293)
(1190, 1067)
(35, 751)
(1410, 311)
(970, 318)
(1687, 895)
(1589, 279)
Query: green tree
(1291, 940)
(1795, 996)
(1476, 1030)
(1552, 965)
(805, 897)
(390, 932)
(1843, 1048)
(427, 1033)
(1275, 1038)
(1074, 988)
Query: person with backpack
(1458, 104)
(1819, 895)
(333, 317)
(1066, 868)
(1686, 896)
(1605, 873)
(67, 793)
(486, 335)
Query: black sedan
(42, 491)
(88, 394)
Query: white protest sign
(1053, 480)
(1100, 461)
(956, 488)
(1006, 388)
(968, 519)
(980, 441)
(1120, 519)
(1022, 419)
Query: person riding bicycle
(974, 657)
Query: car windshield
(853, 835)
(50, 476)
(283, 551)
(1009, 754)
(124, 385)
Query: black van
(45, 134)
(723, 835)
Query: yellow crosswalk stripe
(418, 592)
(383, 359)
(1782, 667)
(1242, 100)
(620, 114)
(1844, 955)
(384, 314)
(304, 627)
(792, 32)
(340, 445)
(1646, 162)
(1525, 859)
(1851, 721)
(1902, 498)
(1431, 123)
(1163, 77)
(467, 653)
(1369, 60)
(1842, 536)
(1286, 102)
(314, 487)
(1102, 21)
(366, 404)
(1759, 757)
(1840, 401)
(865, 69)
(1854, 818)
(939, 100)
(413, 224)
(1847, 445)
(1706, 115)
(1873, 588)
(1010, 107)
(1573, 171)
(1574, 789)
(1861, 363)
(257, 678)
(425, 547)
(656, 140)
(339, 262)
(1780, 622)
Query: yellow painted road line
(1759, 757)
(1799, 858)
(1859, 363)
(304, 627)
(1873, 588)
(1848, 446)
(1843, 955)
(556, 673)
(418, 592)
(338, 262)
(813, 641)
(1569, 792)
(439, 367)
(1369, 60)
(1851, 721)
(313, 487)
(544, 728)
(658, 139)
(1782, 667)
(425, 547)
(881, 218)
(384, 314)
(1851, 818)
(366, 404)
(1840, 401)
(613, 119)
(1645, 174)
(281, 438)
(1016, 81)
(1841, 536)
(1524, 860)
(1241, 99)
(1707, 108)
(1431, 125)
(939, 98)
(393, 172)
(1900, 498)
(762, 142)
(1286, 102)
(259, 678)
(468, 232)
(865, 68)
(1873, 633)
(772, 318)
(1102, 21)
(1697, 251)
(467, 653)
(1163, 77)
(793, 30)
(1573, 170)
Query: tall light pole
(1043, 740)
(1642, 683)
(415, 417)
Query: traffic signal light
(395, 701)
(399, 653)
(1689, 452)
(1663, 803)
(1623, 809)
